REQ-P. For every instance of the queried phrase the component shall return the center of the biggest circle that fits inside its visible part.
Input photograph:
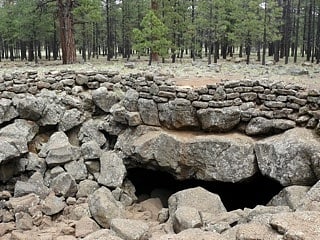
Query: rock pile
(67, 140)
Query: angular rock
(197, 198)
(133, 119)
(177, 114)
(51, 115)
(201, 156)
(297, 225)
(23, 221)
(105, 99)
(64, 185)
(253, 231)
(70, 119)
(290, 196)
(103, 234)
(219, 120)
(112, 170)
(291, 158)
(90, 131)
(34, 185)
(77, 169)
(36, 164)
(85, 226)
(58, 150)
(86, 187)
(119, 113)
(148, 112)
(185, 218)
(53, 205)
(103, 207)
(191, 234)
(130, 101)
(311, 200)
(24, 203)
(129, 229)
(14, 139)
(7, 110)
(30, 107)
(91, 150)
(260, 125)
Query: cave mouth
(258, 190)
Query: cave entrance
(257, 190)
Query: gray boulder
(291, 158)
(77, 169)
(197, 198)
(52, 205)
(191, 234)
(64, 185)
(14, 138)
(219, 120)
(91, 150)
(129, 229)
(58, 150)
(260, 125)
(204, 157)
(112, 170)
(290, 196)
(30, 107)
(185, 218)
(90, 131)
(35, 184)
(51, 115)
(105, 99)
(297, 225)
(103, 207)
(7, 110)
(311, 200)
(130, 101)
(86, 187)
(178, 113)
(103, 234)
(148, 112)
(70, 119)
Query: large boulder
(103, 207)
(197, 198)
(291, 158)
(112, 170)
(148, 110)
(261, 126)
(178, 113)
(7, 110)
(58, 150)
(105, 99)
(90, 131)
(297, 225)
(30, 107)
(14, 139)
(219, 120)
(190, 155)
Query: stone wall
(253, 106)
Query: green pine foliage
(152, 36)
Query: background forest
(169, 29)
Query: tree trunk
(67, 41)
(297, 33)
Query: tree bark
(67, 41)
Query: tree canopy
(57, 29)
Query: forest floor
(189, 73)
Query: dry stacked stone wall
(253, 106)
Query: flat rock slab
(227, 157)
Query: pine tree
(152, 36)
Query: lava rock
(105, 99)
(129, 229)
(290, 158)
(90, 131)
(148, 112)
(103, 207)
(7, 110)
(64, 185)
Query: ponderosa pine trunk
(67, 41)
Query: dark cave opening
(257, 190)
